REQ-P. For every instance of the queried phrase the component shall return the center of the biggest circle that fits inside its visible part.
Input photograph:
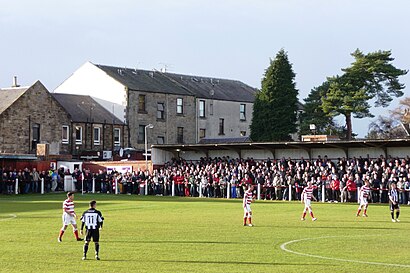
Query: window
(78, 135)
(96, 135)
(242, 112)
(180, 106)
(141, 104)
(201, 108)
(65, 134)
(117, 135)
(141, 134)
(243, 133)
(211, 109)
(36, 135)
(202, 133)
(180, 135)
(221, 126)
(160, 111)
(160, 140)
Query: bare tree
(396, 125)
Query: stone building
(29, 116)
(183, 109)
(223, 107)
(92, 131)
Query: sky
(48, 40)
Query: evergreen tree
(371, 76)
(313, 113)
(275, 108)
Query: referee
(394, 202)
(92, 219)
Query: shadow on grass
(332, 227)
(182, 199)
(112, 260)
(20, 205)
(186, 242)
(241, 263)
(357, 228)
(221, 262)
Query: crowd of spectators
(213, 177)
(339, 178)
(29, 181)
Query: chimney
(15, 82)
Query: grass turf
(165, 234)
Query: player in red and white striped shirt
(364, 193)
(307, 196)
(69, 217)
(247, 200)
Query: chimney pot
(15, 82)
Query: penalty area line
(284, 245)
(11, 216)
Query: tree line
(371, 79)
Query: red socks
(62, 233)
(244, 220)
(311, 214)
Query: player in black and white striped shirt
(92, 219)
(394, 202)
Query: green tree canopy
(370, 77)
(313, 113)
(275, 108)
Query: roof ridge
(14, 88)
(78, 95)
(164, 73)
(16, 94)
(181, 84)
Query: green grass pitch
(165, 234)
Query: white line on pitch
(11, 216)
(283, 247)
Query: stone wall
(167, 127)
(230, 112)
(106, 138)
(35, 106)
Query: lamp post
(150, 126)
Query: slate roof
(244, 139)
(178, 84)
(9, 95)
(78, 107)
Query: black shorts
(92, 233)
(394, 206)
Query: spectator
(35, 178)
(54, 180)
(351, 189)
(335, 188)
(10, 182)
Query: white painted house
(92, 81)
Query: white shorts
(247, 208)
(363, 201)
(68, 219)
(307, 203)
